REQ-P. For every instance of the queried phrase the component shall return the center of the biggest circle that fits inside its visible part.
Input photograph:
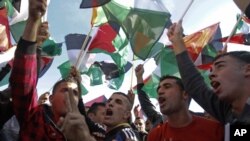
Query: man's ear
(247, 70)
(51, 98)
(185, 95)
(91, 115)
(127, 115)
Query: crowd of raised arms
(65, 118)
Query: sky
(66, 17)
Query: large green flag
(51, 48)
(150, 85)
(9, 6)
(116, 83)
(143, 27)
(165, 59)
(64, 69)
(17, 30)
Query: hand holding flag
(43, 33)
(37, 9)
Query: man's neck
(180, 119)
(239, 104)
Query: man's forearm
(31, 29)
(139, 80)
(179, 46)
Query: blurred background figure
(148, 125)
(96, 112)
(140, 124)
(44, 98)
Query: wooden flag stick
(224, 49)
(83, 51)
(132, 73)
(185, 12)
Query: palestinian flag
(142, 26)
(239, 38)
(93, 3)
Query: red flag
(103, 39)
(93, 3)
(239, 38)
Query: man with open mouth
(181, 124)
(229, 99)
(117, 118)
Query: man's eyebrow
(219, 62)
(164, 84)
(119, 100)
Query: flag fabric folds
(64, 69)
(198, 40)
(50, 49)
(239, 38)
(103, 39)
(45, 60)
(98, 99)
(16, 4)
(111, 70)
(150, 85)
(5, 67)
(167, 62)
(143, 27)
(113, 45)
(74, 44)
(5, 41)
(93, 3)
(95, 73)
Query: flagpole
(185, 12)
(82, 51)
(224, 49)
(161, 5)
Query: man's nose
(212, 75)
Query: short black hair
(130, 102)
(242, 56)
(178, 80)
(130, 106)
(94, 107)
(64, 81)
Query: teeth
(215, 84)
(109, 112)
(161, 100)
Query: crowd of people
(62, 115)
